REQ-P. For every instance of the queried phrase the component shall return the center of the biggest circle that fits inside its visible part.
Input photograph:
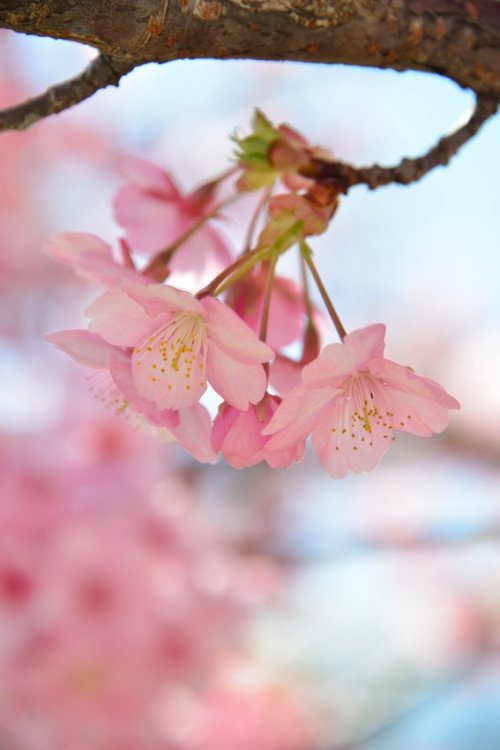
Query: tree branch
(409, 170)
(101, 72)
(458, 39)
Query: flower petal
(151, 221)
(160, 298)
(297, 414)
(343, 445)
(285, 374)
(118, 319)
(84, 347)
(69, 246)
(147, 175)
(336, 361)
(420, 405)
(169, 375)
(205, 249)
(237, 434)
(193, 433)
(121, 371)
(238, 383)
(232, 335)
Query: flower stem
(264, 321)
(305, 287)
(266, 194)
(247, 261)
(158, 264)
(307, 255)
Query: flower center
(182, 339)
(171, 362)
(363, 416)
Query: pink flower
(238, 436)
(115, 388)
(155, 214)
(179, 343)
(352, 399)
(92, 258)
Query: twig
(101, 72)
(409, 170)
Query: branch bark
(409, 170)
(100, 73)
(459, 39)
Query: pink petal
(337, 361)
(121, 371)
(147, 175)
(297, 415)
(286, 313)
(205, 249)
(420, 405)
(238, 383)
(237, 435)
(118, 319)
(226, 417)
(342, 445)
(86, 348)
(232, 335)
(281, 459)
(160, 298)
(93, 259)
(69, 245)
(285, 374)
(193, 433)
(170, 379)
(152, 221)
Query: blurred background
(151, 603)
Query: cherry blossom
(180, 344)
(238, 436)
(352, 399)
(155, 214)
(92, 258)
(115, 388)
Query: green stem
(307, 255)
(264, 321)
(253, 223)
(247, 261)
(305, 287)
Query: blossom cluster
(158, 348)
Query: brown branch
(409, 170)
(459, 39)
(101, 72)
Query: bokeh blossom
(155, 214)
